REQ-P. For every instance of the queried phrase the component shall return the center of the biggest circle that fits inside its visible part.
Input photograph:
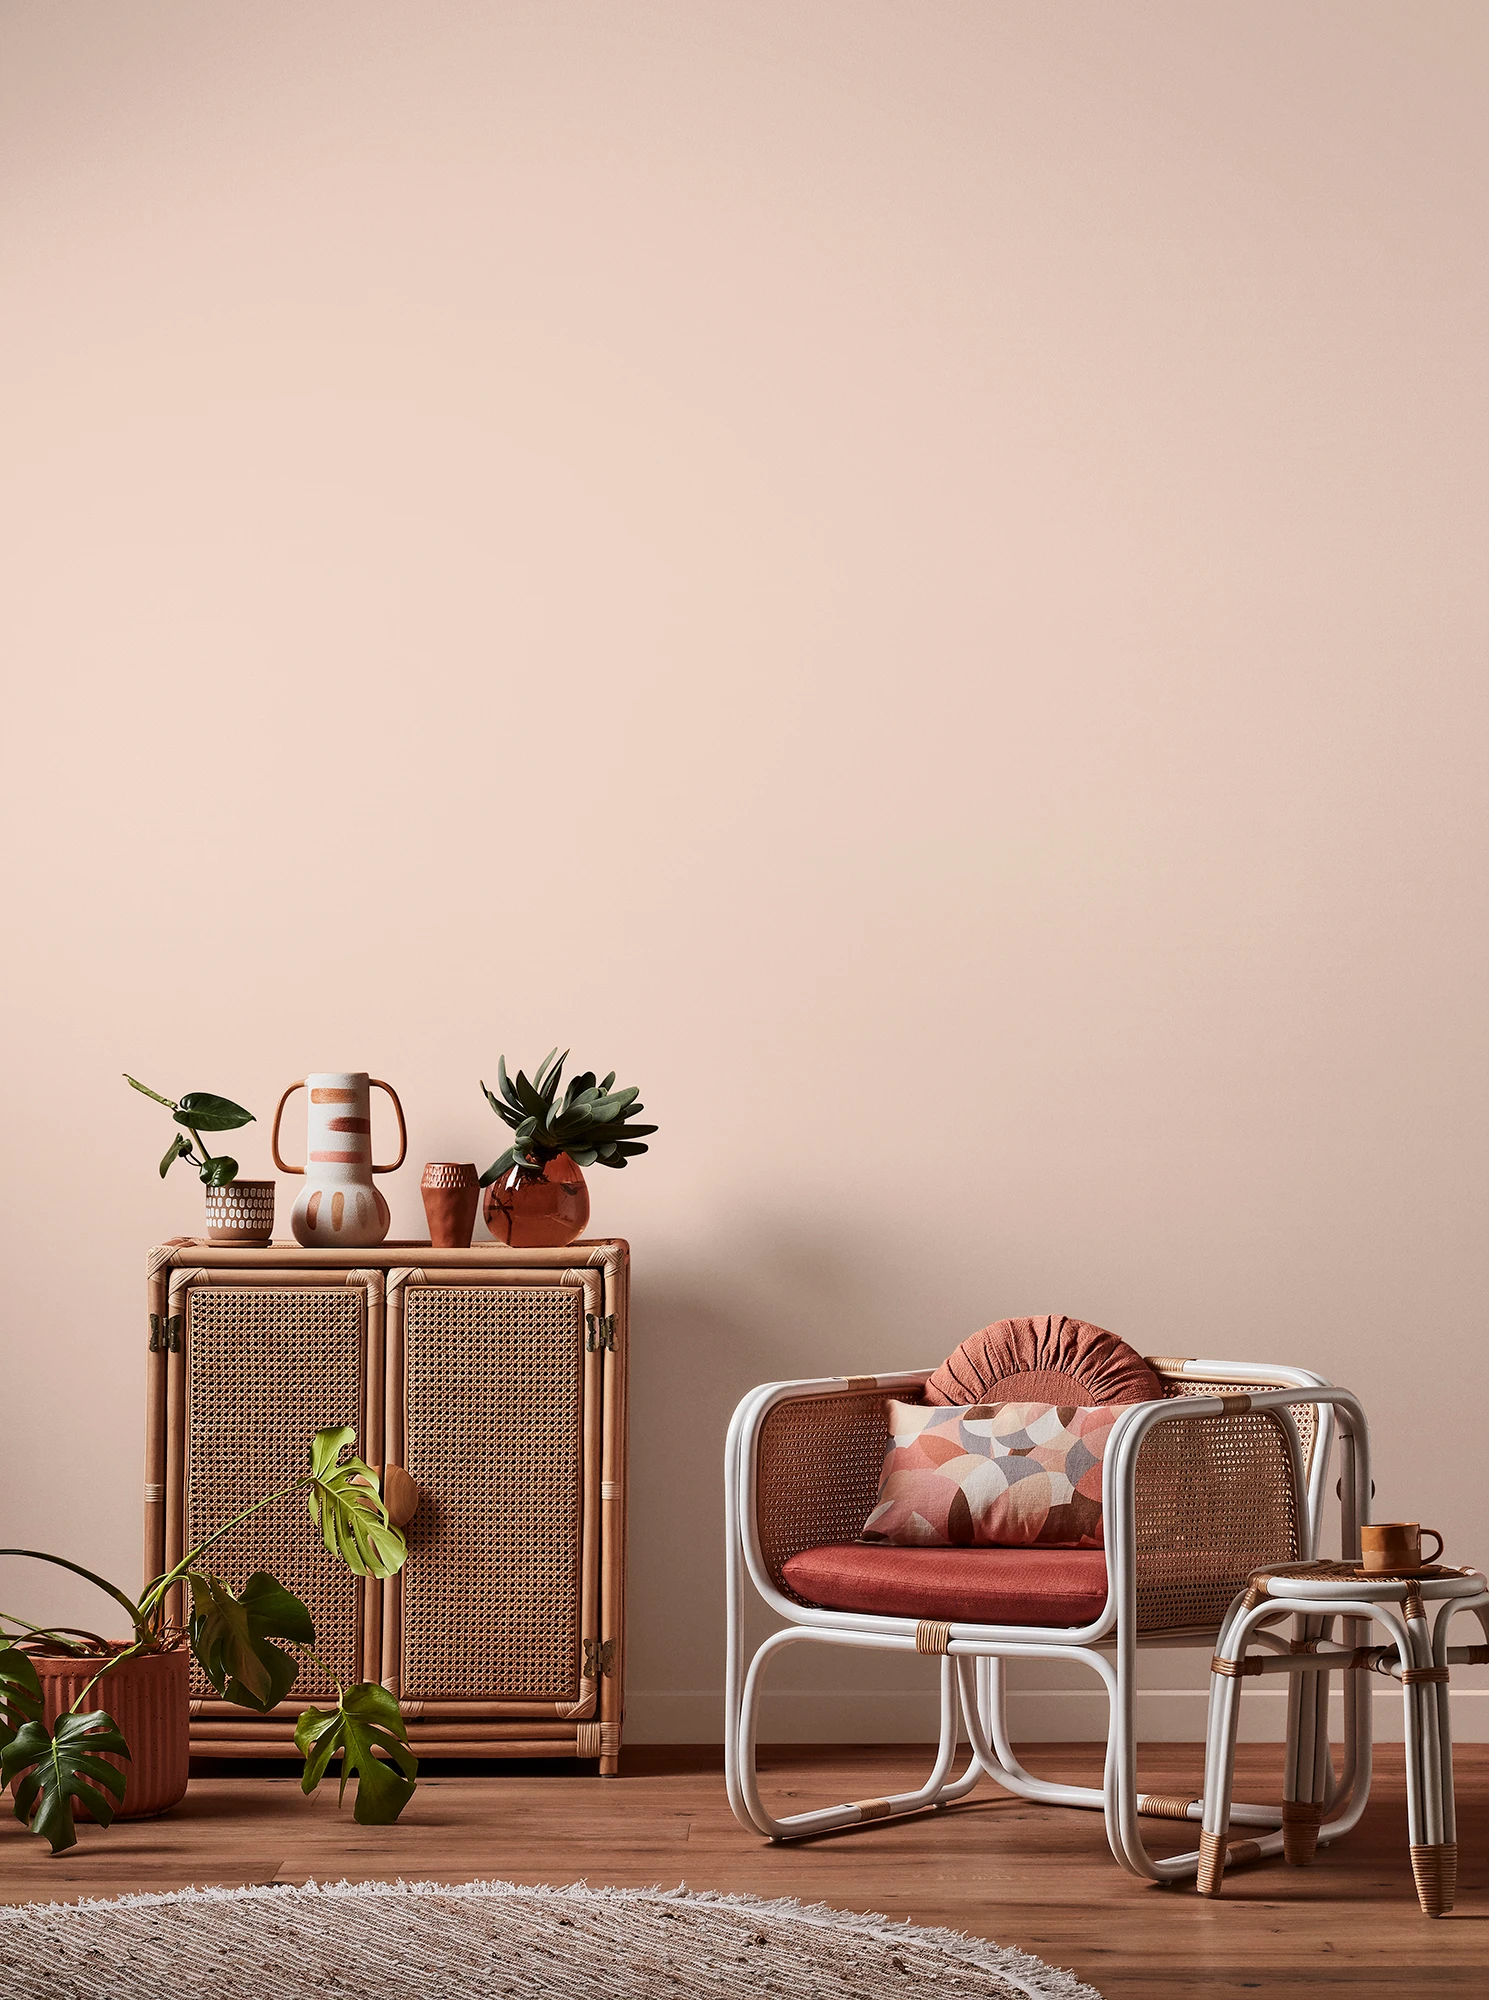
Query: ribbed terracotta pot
(538, 1210)
(452, 1194)
(147, 1698)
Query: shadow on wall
(777, 1302)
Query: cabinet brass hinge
(165, 1334)
(599, 1658)
(599, 1331)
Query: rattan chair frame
(973, 1696)
(597, 1272)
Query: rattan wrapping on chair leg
(1156, 1805)
(1436, 1872)
(931, 1637)
(1211, 1863)
(1300, 1823)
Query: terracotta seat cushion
(1048, 1360)
(958, 1586)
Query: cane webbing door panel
(266, 1366)
(492, 1411)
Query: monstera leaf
(20, 1693)
(365, 1719)
(231, 1637)
(66, 1767)
(206, 1113)
(347, 1508)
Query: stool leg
(1220, 1764)
(1434, 1861)
(1304, 1790)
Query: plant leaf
(179, 1145)
(498, 1167)
(211, 1114)
(145, 1091)
(20, 1693)
(347, 1507)
(219, 1171)
(365, 1719)
(504, 1084)
(62, 1768)
(231, 1636)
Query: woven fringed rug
(425, 1941)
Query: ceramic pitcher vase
(339, 1208)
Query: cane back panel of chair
(494, 1436)
(267, 1367)
(799, 1504)
(1215, 1499)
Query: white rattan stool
(1316, 1594)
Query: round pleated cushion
(1049, 1360)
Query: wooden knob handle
(400, 1495)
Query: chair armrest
(1202, 1490)
(806, 1457)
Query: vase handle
(374, 1083)
(284, 1165)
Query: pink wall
(911, 577)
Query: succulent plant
(592, 1123)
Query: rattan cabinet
(497, 1379)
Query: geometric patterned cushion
(992, 1475)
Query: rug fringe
(1030, 1975)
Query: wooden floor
(1035, 1877)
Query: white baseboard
(1060, 1716)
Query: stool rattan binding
(496, 1379)
(1316, 1594)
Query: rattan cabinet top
(611, 1253)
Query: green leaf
(231, 1636)
(499, 1167)
(179, 1145)
(504, 1084)
(605, 1085)
(145, 1091)
(62, 1769)
(584, 1156)
(545, 1084)
(366, 1719)
(508, 1114)
(20, 1693)
(219, 1172)
(211, 1114)
(346, 1506)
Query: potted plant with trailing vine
(238, 1211)
(535, 1191)
(60, 1756)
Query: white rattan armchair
(1223, 1475)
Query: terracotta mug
(1387, 1545)
(452, 1194)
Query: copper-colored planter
(147, 1697)
(452, 1194)
(538, 1209)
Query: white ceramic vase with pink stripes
(339, 1208)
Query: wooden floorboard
(1036, 1877)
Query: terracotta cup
(1386, 1545)
(452, 1194)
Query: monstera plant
(199, 1111)
(249, 1644)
